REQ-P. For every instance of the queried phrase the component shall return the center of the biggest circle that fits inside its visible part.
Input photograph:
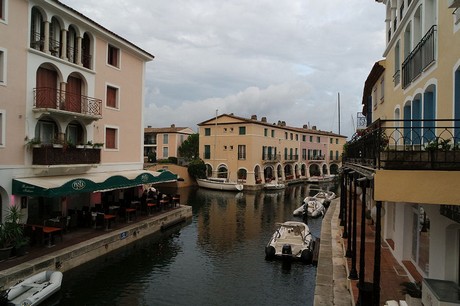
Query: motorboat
(312, 207)
(292, 240)
(274, 186)
(321, 179)
(35, 289)
(219, 184)
(327, 195)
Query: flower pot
(5, 253)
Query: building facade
(71, 105)
(255, 151)
(164, 142)
(410, 150)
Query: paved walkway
(332, 284)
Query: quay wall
(83, 252)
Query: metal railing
(422, 56)
(407, 144)
(48, 155)
(45, 97)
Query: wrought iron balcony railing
(45, 97)
(407, 144)
(49, 155)
(422, 56)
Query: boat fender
(269, 252)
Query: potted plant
(413, 292)
(14, 230)
(98, 145)
(6, 244)
(34, 143)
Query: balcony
(407, 145)
(63, 102)
(49, 155)
(271, 158)
(420, 58)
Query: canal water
(217, 258)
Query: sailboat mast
(338, 105)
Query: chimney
(254, 117)
(264, 119)
(173, 125)
(305, 126)
(279, 122)
(149, 126)
(283, 123)
(314, 127)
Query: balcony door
(46, 93)
(73, 95)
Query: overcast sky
(284, 60)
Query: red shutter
(110, 138)
(111, 97)
(73, 95)
(46, 88)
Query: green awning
(55, 186)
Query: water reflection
(215, 259)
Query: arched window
(429, 113)
(37, 30)
(86, 51)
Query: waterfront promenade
(332, 284)
(85, 244)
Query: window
(318, 139)
(2, 128)
(165, 152)
(207, 132)
(331, 140)
(2, 67)
(165, 138)
(241, 152)
(111, 135)
(112, 97)
(382, 89)
(336, 155)
(265, 132)
(304, 138)
(273, 133)
(242, 130)
(4, 10)
(291, 135)
(113, 56)
(331, 155)
(285, 135)
(297, 137)
(311, 138)
(225, 131)
(207, 152)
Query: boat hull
(291, 241)
(35, 289)
(219, 185)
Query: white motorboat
(274, 186)
(327, 195)
(312, 207)
(219, 184)
(35, 289)
(292, 240)
(321, 179)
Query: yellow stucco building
(410, 149)
(255, 151)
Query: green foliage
(197, 169)
(438, 144)
(412, 289)
(152, 157)
(172, 160)
(12, 232)
(189, 149)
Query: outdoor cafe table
(49, 231)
